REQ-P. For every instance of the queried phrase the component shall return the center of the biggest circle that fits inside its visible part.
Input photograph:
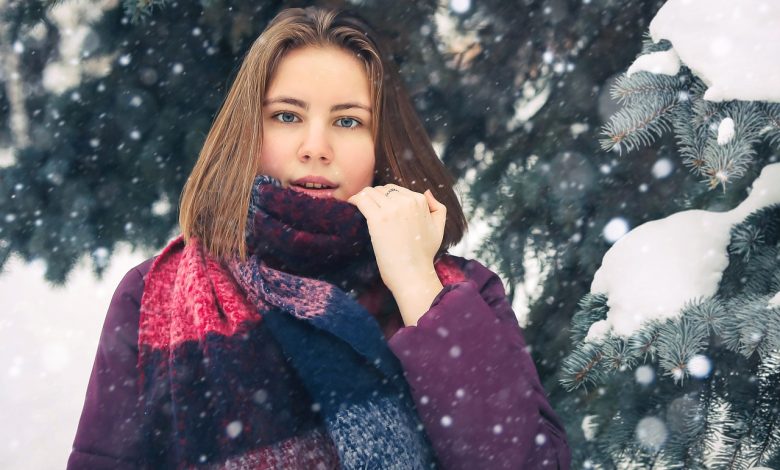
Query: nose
(316, 145)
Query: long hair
(215, 198)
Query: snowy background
(48, 339)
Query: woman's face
(317, 121)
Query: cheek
(270, 158)
(363, 169)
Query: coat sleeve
(474, 383)
(109, 431)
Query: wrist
(412, 279)
(416, 294)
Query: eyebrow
(304, 105)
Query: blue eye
(289, 118)
(284, 116)
(355, 121)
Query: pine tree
(698, 390)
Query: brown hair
(215, 198)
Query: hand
(406, 231)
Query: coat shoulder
(133, 282)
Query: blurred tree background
(513, 93)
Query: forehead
(320, 72)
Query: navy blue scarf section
(320, 249)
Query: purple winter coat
(473, 382)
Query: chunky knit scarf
(271, 363)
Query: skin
(303, 134)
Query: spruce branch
(772, 320)
(745, 241)
(710, 404)
(645, 341)
(704, 111)
(627, 90)
(592, 308)
(691, 140)
(708, 312)
(725, 162)
(141, 10)
(618, 354)
(766, 434)
(650, 46)
(684, 440)
(680, 339)
(746, 330)
(731, 428)
(771, 113)
(618, 440)
(638, 125)
(722, 166)
(583, 367)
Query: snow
(663, 62)
(699, 366)
(598, 330)
(732, 46)
(526, 108)
(260, 396)
(48, 340)
(775, 301)
(7, 157)
(615, 229)
(651, 432)
(460, 6)
(234, 429)
(589, 427)
(662, 168)
(725, 131)
(644, 375)
(73, 19)
(651, 272)
(161, 206)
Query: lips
(320, 193)
(320, 180)
(326, 191)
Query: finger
(438, 210)
(433, 203)
(363, 201)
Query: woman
(309, 315)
